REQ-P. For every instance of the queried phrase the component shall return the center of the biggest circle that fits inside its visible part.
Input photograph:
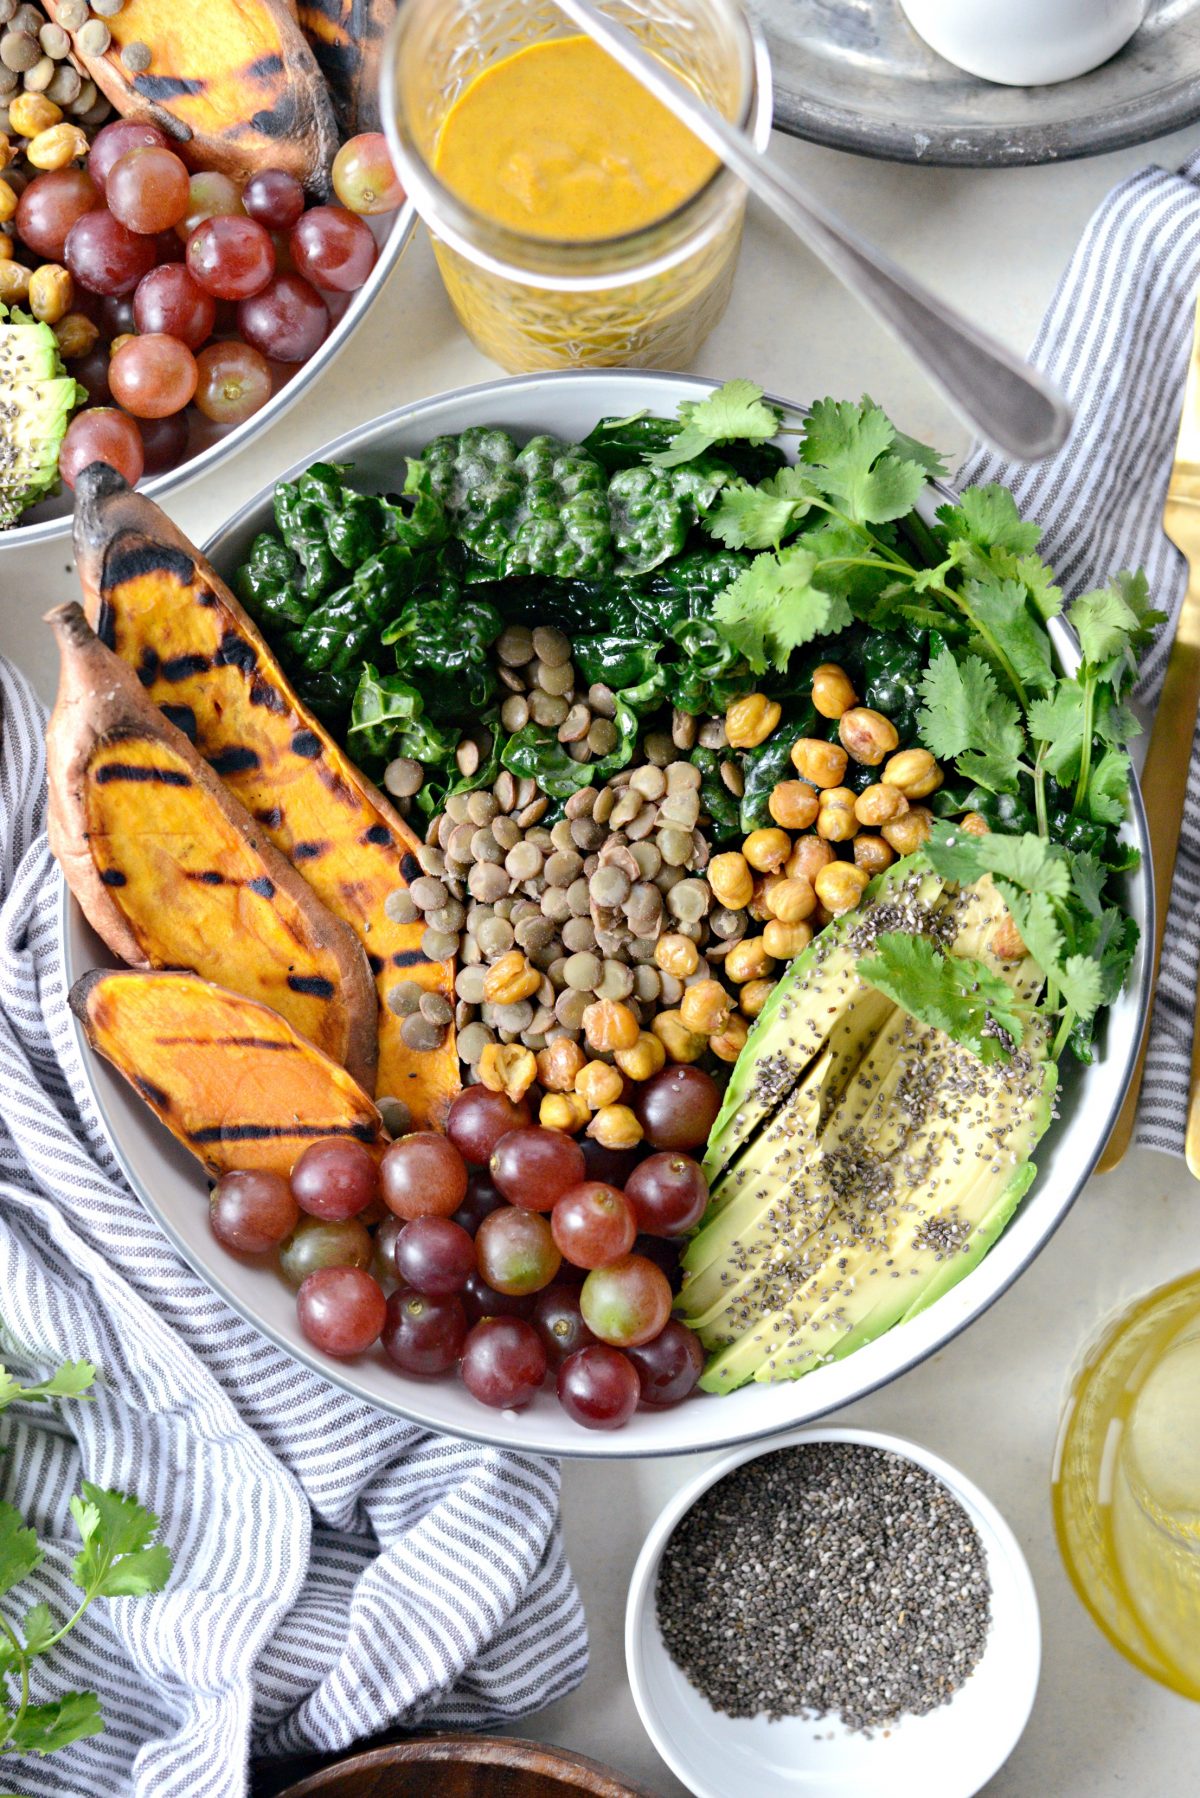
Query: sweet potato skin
(233, 83)
(347, 38)
(230, 1078)
(171, 871)
(153, 598)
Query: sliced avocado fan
(37, 398)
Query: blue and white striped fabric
(335, 1571)
(1116, 339)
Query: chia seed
(831, 1578)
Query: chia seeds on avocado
(831, 1578)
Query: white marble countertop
(995, 242)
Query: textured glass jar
(646, 299)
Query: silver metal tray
(853, 74)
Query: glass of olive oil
(1126, 1483)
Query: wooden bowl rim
(502, 1751)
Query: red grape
(91, 371)
(231, 257)
(147, 189)
(335, 1179)
(668, 1193)
(664, 1251)
(101, 434)
(593, 1224)
(341, 1310)
(233, 382)
(626, 1303)
(274, 198)
(669, 1365)
(383, 1262)
(168, 300)
(516, 1251)
(333, 249)
(434, 1255)
(481, 1300)
(115, 141)
(613, 1166)
(105, 256)
(533, 1166)
(168, 248)
(164, 441)
(287, 321)
(503, 1362)
(598, 1388)
(423, 1334)
(50, 205)
(210, 195)
(482, 1199)
(677, 1107)
(363, 176)
(559, 1322)
(479, 1118)
(315, 1243)
(252, 1210)
(152, 376)
(115, 316)
(423, 1175)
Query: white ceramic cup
(1025, 43)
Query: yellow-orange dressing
(557, 141)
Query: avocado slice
(37, 397)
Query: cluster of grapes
(518, 1251)
(190, 288)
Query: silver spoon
(1005, 401)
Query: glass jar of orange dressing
(576, 223)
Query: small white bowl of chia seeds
(833, 1615)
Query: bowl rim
(173, 480)
(410, 1405)
(1004, 1553)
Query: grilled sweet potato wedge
(229, 1077)
(154, 599)
(232, 82)
(347, 40)
(172, 872)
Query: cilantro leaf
(988, 518)
(117, 1558)
(1026, 861)
(847, 449)
(1038, 582)
(38, 1628)
(1082, 988)
(71, 1380)
(1103, 621)
(1087, 878)
(999, 610)
(1107, 796)
(41, 1728)
(954, 993)
(747, 517)
(1110, 941)
(735, 411)
(774, 606)
(19, 1550)
(965, 716)
(1059, 723)
(1034, 916)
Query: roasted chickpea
(51, 291)
(507, 1068)
(868, 735)
(793, 803)
(872, 853)
(784, 941)
(840, 886)
(1006, 941)
(705, 1007)
(615, 1127)
(748, 960)
(55, 147)
(915, 772)
(563, 1111)
(832, 691)
(749, 721)
(7, 153)
(645, 1058)
(680, 1043)
(820, 763)
(837, 822)
(510, 979)
(791, 900)
(730, 879)
(754, 996)
(8, 201)
(676, 954)
(558, 1064)
(809, 855)
(599, 1084)
(758, 908)
(728, 1044)
(609, 1025)
(878, 804)
(75, 335)
(974, 824)
(765, 850)
(14, 283)
(906, 834)
(30, 113)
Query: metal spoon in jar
(1005, 401)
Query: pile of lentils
(829, 1579)
(37, 56)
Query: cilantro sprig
(117, 1558)
(954, 993)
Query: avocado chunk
(37, 397)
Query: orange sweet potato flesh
(347, 37)
(228, 1077)
(155, 600)
(170, 869)
(232, 82)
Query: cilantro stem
(1039, 791)
(1063, 1033)
(12, 1723)
(1085, 763)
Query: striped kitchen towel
(1116, 340)
(335, 1571)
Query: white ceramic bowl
(172, 1186)
(950, 1753)
(1025, 43)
